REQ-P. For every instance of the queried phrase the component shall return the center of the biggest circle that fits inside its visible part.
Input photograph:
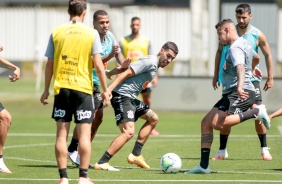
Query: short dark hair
(135, 18)
(222, 22)
(76, 7)
(170, 45)
(99, 12)
(243, 8)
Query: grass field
(29, 149)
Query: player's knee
(129, 133)
(5, 118)
(154, 119)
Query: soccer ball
(170, 163)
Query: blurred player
(128, 108)
(5, 116)
(135, 46)
(257, 39)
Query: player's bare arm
(216, 67)
(48, 77)
(119, 69)
(99, 67)
(264, 46)
(124, 75)
(241, 77)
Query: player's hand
(106, 98)
(243, 95)
(44, 98)
(116, 49)
(268, 84)
(1, 48)
(257, 73)
(215, 84)
(125, 63)
(16, 75)
(109, 76)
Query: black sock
(248, 114)
(223, 141)
(262, 139)
(83, 173)
(137, 148)
(63, 173)
(73, 145)
(205, 156)
(105, 158)
(1, 156)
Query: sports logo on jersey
(59, 113)
(130, 114)
(257, 91)
(145, 84)
(83, 115)
(118, 116)
(237, 111)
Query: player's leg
(260, 128)
(206, 142)
(61, 104)
(127, 132)
(146, 96)
(125, 115)
(83, 108)
(151, 120)
(5, 122)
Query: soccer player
(257, 39)
(125, 89)
(72, 51)
(5, 116)
(110, 49)
(238, 92)
(135, 46)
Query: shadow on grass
(46, 166)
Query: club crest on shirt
(130, 114)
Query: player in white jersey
(256, 39)
(128, 108)
(238, 93)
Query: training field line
(146, 181)
(114, 135)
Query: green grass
(29, 148)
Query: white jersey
(240, 52)
(145, 70)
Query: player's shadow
(46, 166)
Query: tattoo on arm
(149, 114)
(240, 75)
(207, 138)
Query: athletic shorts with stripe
(258, 92)
(233, 104)
(127, 109)
(71, 102)
(97, 98)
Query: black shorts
(258, 93)
(1, 107)
(71, 102)
(148, 90)
(97, 98)
(232, 103)
(127, 109)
